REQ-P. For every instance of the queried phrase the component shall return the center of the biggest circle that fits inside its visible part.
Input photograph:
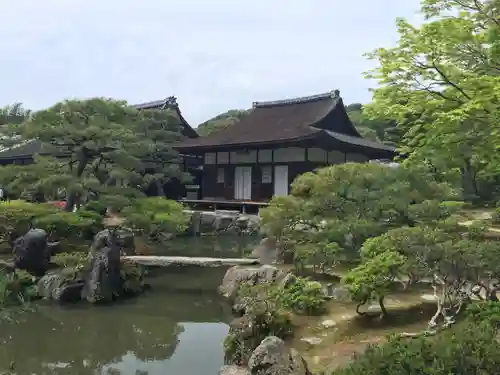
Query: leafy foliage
(16, 287)
(484, 311)
(454, 259)
(265, 315)
(75, 260)
(441, 84)
(105, 150)
(301, 296)
(155, 217)
(17, 217)
(372, 280)
(468, 348)
(132, 275)
(332, 211)
(383, 131)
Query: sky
(212, 55)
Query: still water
(177, 327)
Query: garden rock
(236, 276)
(329, 323)
(339, 293)
(312, 340)
(222, 221)
(59, 286)
(273, 357)
(103, 283)
(31, 252)
(233, 370)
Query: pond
(177, 327)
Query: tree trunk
(362, 303)
(73, 197)
(382, 306)
(469, 183)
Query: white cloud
(213, 55)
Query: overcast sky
(213, 55)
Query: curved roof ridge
(171, 101)
(334, 94)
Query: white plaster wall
(243, 157)
(289, 154)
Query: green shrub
(98, 207)
(155, 217)
(484, 311)
(495, 216)
(467, 348)
(133, 277)
(94, 221)
(302, 296)
(74, 265)
(16, 218)
(70, 225)
(263, 317)
(77, 259)
(16, 287)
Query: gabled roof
(169, 103)
(287, 120)
(29, 148)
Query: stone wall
(222, 222)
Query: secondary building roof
(286, 120)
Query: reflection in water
(175, 328)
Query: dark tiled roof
(23, 150)
(282, 120)
(170, 102)
(359, 141)
(158, 104)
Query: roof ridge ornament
(171, 101)
(334, 94)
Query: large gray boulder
(233, 370)
(237, 276)
(103, 283)
(273, 357)
(60, 286)
(31, 252)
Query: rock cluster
(101, 280)
(254, 345)
(271, 357)
(237, 276)
(218, 222)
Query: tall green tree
(375, 129)
(441, 83)
(100, 148)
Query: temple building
(259, 157)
